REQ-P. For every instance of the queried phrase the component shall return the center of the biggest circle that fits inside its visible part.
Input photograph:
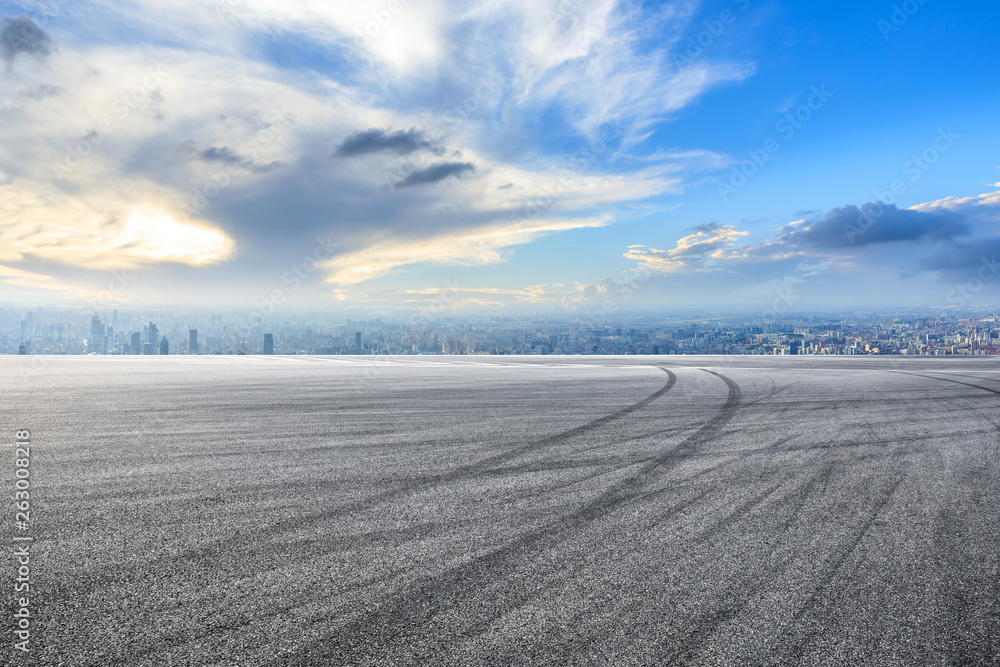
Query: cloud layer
(150, 145)
(429, 139)
(869, 248)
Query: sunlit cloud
(51, 226)
(466, 248)
(983, 201)
(698, 251)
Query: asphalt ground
(505, 511)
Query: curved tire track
(422, 615)
(934, 377)
(236, 544)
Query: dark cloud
(376, 140)
(964, 257)
(21, 35)
(41, 92)
(225, 155)
(434, 173)
(220, 154)
(852, 227)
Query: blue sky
(500, 157)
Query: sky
(499, 157)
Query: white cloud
(960, 204)
(465, 247)
(699, 251)
(101, 232)
(103, 167)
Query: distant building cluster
(61, 331)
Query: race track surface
(507, 511)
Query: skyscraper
(193, 342)
(96, 342)
(136, 343)
(268, 343)
(357, 339)
(153, 336)
(164, 346)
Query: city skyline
(390, 157)
(60, 332)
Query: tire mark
(470, 470)
(616, 495)
(554, 439)
(684, 650)
(932, 377)
(738, 513)
(423, 603)
(971, 377)
(747, 585)
(809, 607)
(211, 551)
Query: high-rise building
(24, 329)
(164, 346)
(97, 332)
(147, 348)
(268, 343)
(193, 341)
(136, 344)
(21, 349)
(153, 336)
(357, 339)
